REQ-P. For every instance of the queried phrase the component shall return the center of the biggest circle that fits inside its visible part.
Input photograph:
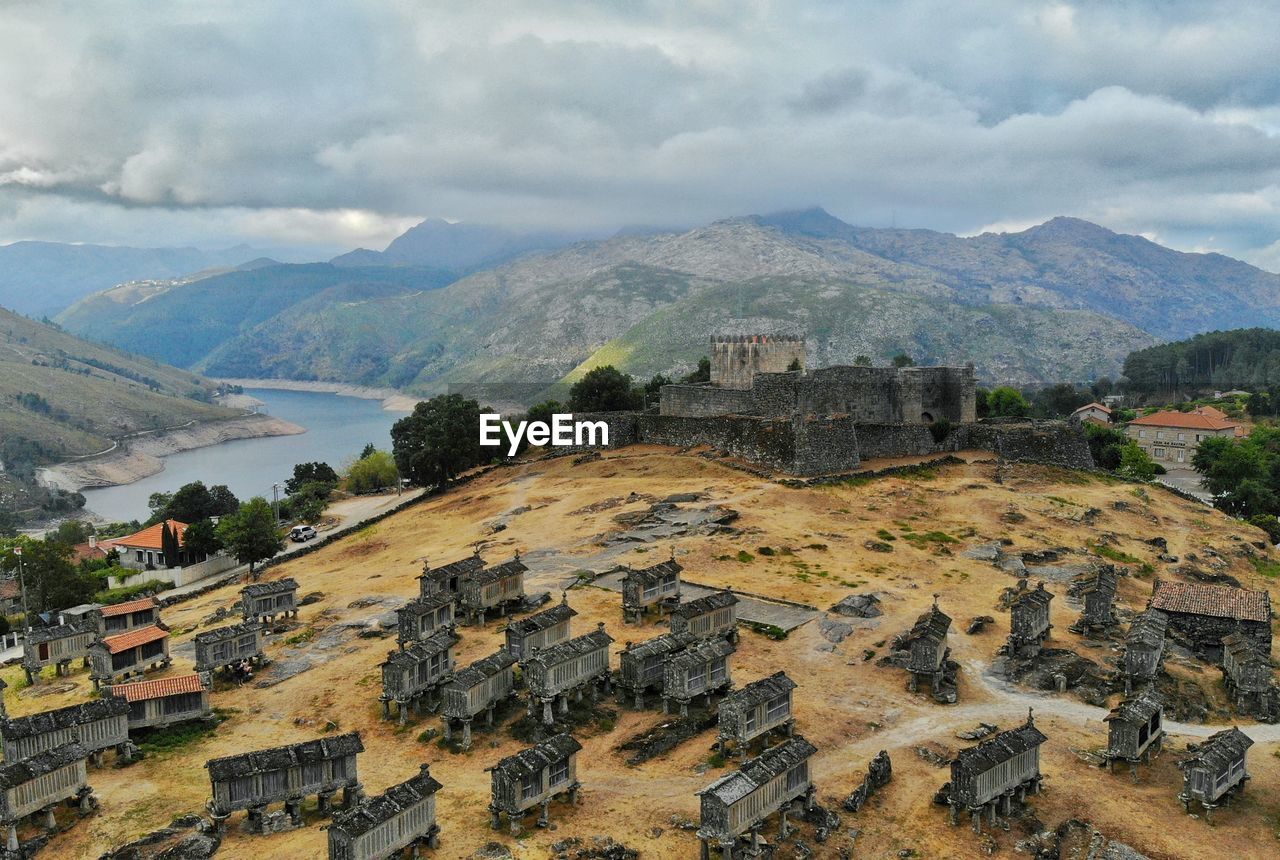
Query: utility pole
(22, 587)
(275, 501)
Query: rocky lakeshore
(392, 400)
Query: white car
(301, 534)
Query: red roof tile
(159, 688)
(1220, 601)
(1098, 406)
(150, 537)
(1185, 421)
(134, 638)
(9, 589)
(131, 606)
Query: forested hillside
(1243, 358)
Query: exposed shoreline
(392, 400)
(143, 456)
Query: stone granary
(383, 826)
(1029, 619)
(534, 777)
(123, 617)
(423, 616)
(702, 669)
(266, 601)
(97, 725)
(118, 657)
(1248, 677)
(1135, 730)
(499, 588)
(163, 701)
(1143, 649)
(552, 674)
(992, 772)
(39, 783)
(1215, 770)
(448, 578)
(640, 667)
(475, 690)
(411, 674)
(754, 711)
(229, 646)
(540, 630)
(57, 646)
(740, 802)
(286, 774)
(927, 643)
(708, 617)
(1097, 591)
(648, 588)
(1203, 614)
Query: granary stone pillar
(545, 818)
(547, 716)
(466, 734)
(488, 716)
(726, 850)
(573, 792)
(351, 795)
(564, 704)
(783, 829)
(1007, 801)
(50, 822)
(12, 842)
(254, 814)
(1133, 771)
(403, 707)
(386, 709)
(293, 809)
(324, 802)
(577, 695)
(684, 708)
(96, 758)
(448, 729)
(433, 838)
(955, 814)
(666, 705)
(975, 817)
(495, 818)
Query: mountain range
(1065, 300)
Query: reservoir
(338, 428)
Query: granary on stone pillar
(1135, 730)
(702, 669)
(711, 616)
(554, 674)
(640, 667)
(756, 710)
(448, 578)
(411, 674)
(1204, 613)
(1096, 590)
(286, 774)
(97, 725)
(230, 646)
(1143, 648)
(927, 643)
(738, 804)
(477, 689)
(383, 826)
(1248, 677)
(656, 587)
(533, 778)
(115, 658)
(1215, 770)
(122, 617)
(39, 783)
(540, 630)
(164, 701)
(58, 646)
(423, 616)
(499, 588)
(1029, 619)
(991, 774)
(267, 601)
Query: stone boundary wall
(770, 442)
(704, 400)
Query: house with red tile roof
(117, 657)
(157, 546)
(1095, 412)
(1171, 438)
(1203, 613)
(163, 701)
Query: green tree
(981, 402)
(52, 581)
(71, 532)
(375, 472)
(702, 374)
(603, 389)
(1059, 401)
(309, 502)
(368, 450)
(439, 439)
(1105, 444)
(250, 534)
(903, 360)
(544, 411)
(309, 473)
(1135, 463)
(224, 501)
(200, 540)
(1006, 402)
(795, 365)
(862, 360)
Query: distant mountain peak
(1069, 227)
(813, 221)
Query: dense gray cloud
(328, 125)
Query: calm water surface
(337, 429)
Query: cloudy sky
(324, 126)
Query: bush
(130, 592)
(372, 473)
(940, 430)
(1269, 523)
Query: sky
(324, 126)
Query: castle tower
(736, 359)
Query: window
(1182, 437)
(560, 772)
(117, 622)
(1160, 435)
(718, 670)
(752, 721)
(138, 554)
(651, 591)
(1158, 453)
(1142, 434)
(779, 708)
(531, 786)
(137, 711)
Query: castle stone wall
(736, 359)
(694, 401)
(769, 442)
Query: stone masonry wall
(703, 400)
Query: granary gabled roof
(275, 586)
(159, 688)
(1243, 649)
(369, 813)
(103, 708)
(933, 624)
(500, 571)
(543, 620)
(1032, 598)
(764, 690)
(279, 758)
(483, 669)
(134, 638)
(1219, 601)
(36, 635)
(706, 603)
(20, 772)
(702, 652)
(129, 607)
(1218, 751)
(470, 564)
(575, 647)
(538, 756)
(760, 770)
(1136, 710)
(231, 631)
(1103, 578)
(666, 643)
(999, 748)
(656, 573)
(1148, 628)
(430, 602)
(424, 649)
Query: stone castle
(764, 406)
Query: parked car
(301, 534)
